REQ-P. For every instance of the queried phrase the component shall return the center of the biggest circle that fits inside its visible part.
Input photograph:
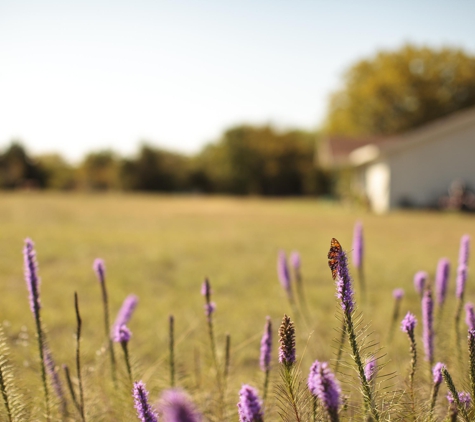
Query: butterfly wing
(333, 254)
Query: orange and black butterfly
(333, 254)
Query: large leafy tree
(395, 91)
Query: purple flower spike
(409, 322)
(206, 289)
(31, 277)
(295, 261)
(209, 309)
(442, 280)
(125, 313)
(370, 369)
(437, 373)
(100, 270)
(344, 288)
(470, 316)
(464, 398)
(122, 334)
(177, 407)
(464, 251)
(420, 280)
(144, 411)
(461, 281)
(358, 246)
(249, 405)
(427, 325)
(398, 294)
(266, 346)
(323, 385)
(283, 272)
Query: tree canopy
(395, 91)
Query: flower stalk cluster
(339, 265)
(324, 386)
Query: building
(414, 169)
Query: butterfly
(333, 254)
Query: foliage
(395, 91)
(18, 170)
(263, 161)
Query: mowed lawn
(161, 248)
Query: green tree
(155, 170)
(395, 91)
(262, 161)
(99, 171)
(18, 170)
(59, 174)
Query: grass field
(162, 247)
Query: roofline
(425, 133)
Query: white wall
(424, 172)
(377, 186)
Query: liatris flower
(283, 273)
(454, 395)
(398, 294)
(122, 334)
(437, 373)
(370, 369)
(249, 405)
(461, 281)
(464, 250)
(266, 350)
(31, 276)
(338, 263)
(295, 261)
(408, 325)
(177, 407)
(409, 322)
(464, 398)
(33, 284)
(144, 411)
(209, 309)
(420, 280)
(125, 312)
(266, 346)
(99, 269)
(428, 326)
(358, 245)
(323, 385)
(437, 378)
(209, 306)
(287, 342)
(470, 316)
(442, 280)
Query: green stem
(171, 321)
(105, 303)
(127, 359)
(71, 388)
(367, 393)
(78, 355)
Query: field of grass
(161, 248)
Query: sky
(82, 76)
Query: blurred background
(249, 98)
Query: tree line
(386, 94)
(246, 160)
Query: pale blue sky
(77, 76)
